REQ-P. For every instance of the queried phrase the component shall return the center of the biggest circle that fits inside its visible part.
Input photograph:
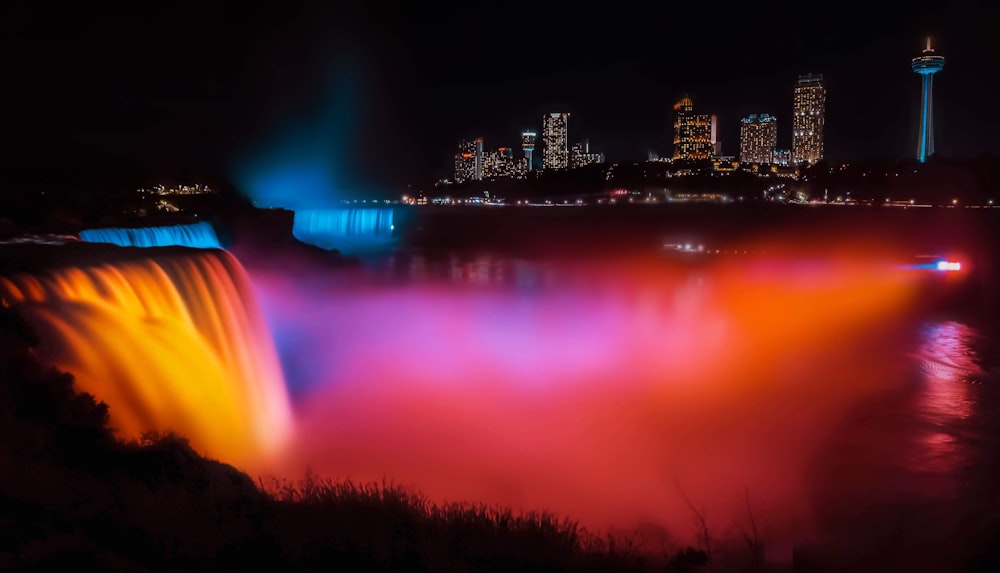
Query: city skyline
(694, 136)
(108, 100)
(474, 161)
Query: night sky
(188, 92)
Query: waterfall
(170, 342)
(357, 230)
(198, 235)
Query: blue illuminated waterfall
(349, 230)
(199, 235)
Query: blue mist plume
(306, 160)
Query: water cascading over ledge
(197, 235)
(172, 340)
(349, 230)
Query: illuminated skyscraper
(479, 159)
(469, 160)
(580, 155)
(927, 65)
(528, 145)
(692, 132)
(499, 163)
(556, 140)
(808, 118)
(758, 136)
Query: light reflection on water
(899, 469)
(950, 368)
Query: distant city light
(177, 190)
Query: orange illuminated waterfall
(172, 341)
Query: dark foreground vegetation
(72, 497)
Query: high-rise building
(692, 132)
(579, 148)
(500, 163)
(491, 160)
(528, 145)
(469, 160)
(556, 139)
(808, 119)
(926, 65)
(580, 155)
(782, 157)
(758, 136)
(716, 143)
(479, 159)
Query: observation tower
(927, 65)
(528, 145)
